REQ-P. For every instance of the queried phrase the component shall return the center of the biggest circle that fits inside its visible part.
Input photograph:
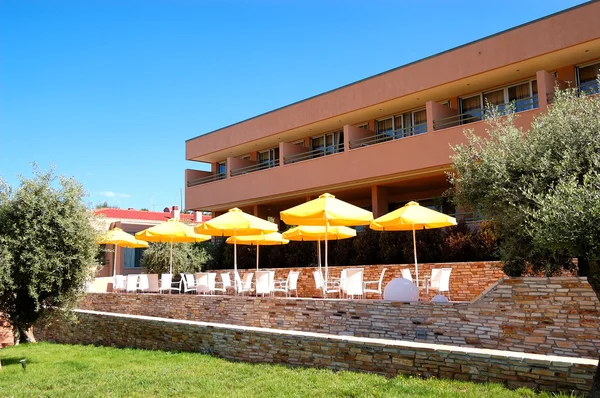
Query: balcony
(315, 153)
(476, 115)
(254, 167)
(388, 136)
(204, 180)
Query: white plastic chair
(444, 285)
(343, 276)
(245, 285)
(202, 282)
(263, 283)
(189, 283)
(434, 280)
(379, 283)
(166, 283)
(332, 287)
(132, 283)
(153, 283)
(225, 283)
(291, 283)
(119, 283)
(144, 283)
(354, 282)
(406, 274)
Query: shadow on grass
(14, 361)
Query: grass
(55, 370)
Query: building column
(379, 200)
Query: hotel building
(385, 140)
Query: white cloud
(111, 194)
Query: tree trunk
(594, 280)
(23, 335)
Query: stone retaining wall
(558, 316)
(326, 351)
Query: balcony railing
(254, 167)
(315, 153)
(475, 115)
(587, 88)
(389, 136)
(204, 180)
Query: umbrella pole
(415, 252)
(319, 253)
(171, 259)
(326, 267)
(115, 262)
(235, 260)
(257, 246)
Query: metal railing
(475, 115)
(389, 136)
(587, 88)
(204, 180)
(254, 167)
(315, 153)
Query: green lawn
(87, 371)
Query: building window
(327, 144)
(405, 125)
(524, 96)
(222, 168)
(132, 257)
(586, 78)
(269, 157)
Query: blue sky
(109, 91)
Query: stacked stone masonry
(553, 316)
(325, 351)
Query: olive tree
(47, 249)
(541, 187)
(187, 257)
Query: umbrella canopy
(326, 211)
(316, 233)
(411, 217)
(172, 231)
(118, 237)
(272, 239)
(236, 223)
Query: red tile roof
(144, 215)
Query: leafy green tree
(47, 249)
(187, 258)
(541, 188)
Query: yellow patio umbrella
(172, 231)
(411, 217)
(317, 233)
(326, 211)
(272, 239)
(235, 223)
(118, 237)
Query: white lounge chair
(434, 280)
(189, 283)
(354, 282)
(132, 283)
(378, 290)
(263, 283)
(224, 284)
(202, 282)
(343, 275)
(291, 283)
(166, 284)
(119, 283)
(444, 285)
(406, 274)
(144, 283)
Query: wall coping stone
(383, 342)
